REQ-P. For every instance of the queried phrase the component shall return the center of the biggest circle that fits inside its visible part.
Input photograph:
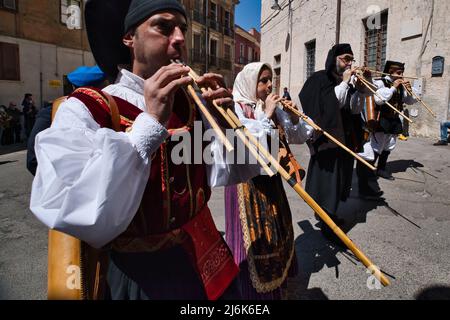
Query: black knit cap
(140, 10)
(108, 20)
(342, 48)
(393, 64)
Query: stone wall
(285, 32)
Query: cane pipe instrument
(241, 132)
(236, 124)
(386, 74)
(367, 84)
(210, 119)
(305, 118)
(414, 95)
(322, 214)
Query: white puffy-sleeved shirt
(90, 180)
(261, 126)
(356, 100)
(387, 93)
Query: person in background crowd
(286, 94)
(15, 124)
(445, 125)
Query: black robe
(330, 168)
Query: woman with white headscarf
(258, 218)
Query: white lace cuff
(147, 134)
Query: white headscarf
(246, 83)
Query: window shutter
(9, 59)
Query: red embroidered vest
(173, 209)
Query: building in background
(40, 43)
(210, 38)
(297, 36)
(247, 48)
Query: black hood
(335, 51)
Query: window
(213, 48)
(213, 16)
(376, 43)
(227, 19)
(8, 4)
(227, 30)
(71, 9)
(197, 48)
(9, 61)
(213, 53)
(310, 48)
(250, 54)
(227, 52)
(198, 5)
(242, 54)
(213, 13)
(197, 42)
(197, 12)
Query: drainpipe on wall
(290, 18)
(207, 36)
(338, 21)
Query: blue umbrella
(86, 76)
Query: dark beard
(340, 71)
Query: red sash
(210, 254)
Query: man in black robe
(334, 100)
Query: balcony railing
(213, 24)
(198, 16)
(244, 60)
(197, 56)
(213, 61)
(225, 64)
(228, 32)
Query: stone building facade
(37, 49)
(296, 36)
(210, 38)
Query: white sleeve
(383, 92)
(90, 180)
(229, 169)
(296, 133)
(341, 92)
